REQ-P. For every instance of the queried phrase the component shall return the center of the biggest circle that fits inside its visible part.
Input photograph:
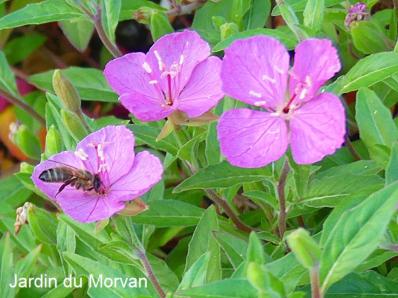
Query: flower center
(286, 109)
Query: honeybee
(69, 175)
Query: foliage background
(347, 202)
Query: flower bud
(73, 124)
(356, 13)
(143, 15)
(66, 92)
(228, 29)
(53, 141)
(304, 247)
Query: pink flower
(176, 74)
(108, 175)
(289, 107)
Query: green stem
(151, 275)
(20, 103)
(96, 18)
(282, 199)
(213, 196)
(316, 291)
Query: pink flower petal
(127, 74)
(116, 144)
(203, 90)
(145, 108)
(317, 128)
(315, 62)
(180, 49)
(87, 208)
(145, 173)
(252, 139)
(255, 71)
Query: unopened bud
(66, 92)
(73, 124)
(304, 247)
(53, 141)
(143, 15)
(228, 29)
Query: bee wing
(79, 173)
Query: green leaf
(20, 48)
(43, 225)
(160, 25)
(13, 192)
(203, 241)
(392, 166)
(258, 14)
(266, 284)
(329, 187)
(86, 232)
(212, 149)
(368, 38)
(255, 251)
(235, 248)
(368, 71)
(291, 19)
(168, 213)
(229, 11)
(364, 285)
(40, 13)
(6, 266)
(223, 175)
(89, 82)
(227, 288)
(78, 32)
(95, 269)
(110, 17)
(196, 275)
(28, 142)
(25, 266)
(356, 234)
(313, 14)
(375, 123)
(7, 78)
(283, 34)
(148, 134)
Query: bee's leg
(67, 182)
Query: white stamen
(269, 79)
(153, 82)
(100, 152)
(160, 61)
(103, 168)
(81, 154)
(181, 59)
(260, 103)
(279, 70)
(255, 94)
(146, 67)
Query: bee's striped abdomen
(55, 175)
